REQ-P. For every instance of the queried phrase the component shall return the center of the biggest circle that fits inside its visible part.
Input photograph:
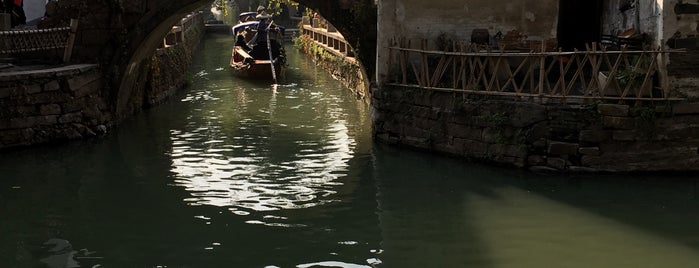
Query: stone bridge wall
(74, 102)
(49, 105)
(543, 137)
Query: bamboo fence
(595, 73)
(19, 41)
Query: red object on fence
(18, 3)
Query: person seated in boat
(240, 41)
(259, 50)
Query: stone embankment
(45, 104)
(330, 50)
(52, 104)
(541, 136)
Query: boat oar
(271, 60)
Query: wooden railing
(328, 37)
(592, 74)
(179, 31)
(19, 41)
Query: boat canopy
(245, 14)
(238, 27)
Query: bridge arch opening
(122, 35)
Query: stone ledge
(47, 72)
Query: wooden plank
(512, 94)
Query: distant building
(552, 25)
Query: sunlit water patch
(228, 162)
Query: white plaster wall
(428, 19)
(683, 24)
(645, 16)
(34, 10)
(420, 19)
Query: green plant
(627, 77)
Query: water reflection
(234, 161)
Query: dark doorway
(579, 23)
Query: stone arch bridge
(122, 35)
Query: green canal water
(233, 173)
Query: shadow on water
(474, 215)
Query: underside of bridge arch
(122, 34)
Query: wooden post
(542, 73)
(71, 40)
(662, 69)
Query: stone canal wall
(541, 136)
(41, 104)
(169, 65)
(54, 104)
(331, 52)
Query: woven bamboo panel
(33, 40)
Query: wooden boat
(258, 52)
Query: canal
(234, 173)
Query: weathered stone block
(539, 131)
(536, 160)
(52, 86)
(540, 144)
(84, 130)
(49, 109)
(515, 161)
(31, 89)
(46, 120)
(475, 148)
(26, 110)
(526, 114)
(594, 135)
(420, 111)
(73, 105)
(507, 150)
(27, 122)
(91, 88)
(415, 132)
(464, 131)
(427, 124)
(11, 137)
(448, 148)
(589, 151)
(613, 109)
(626, 135)
(557, 163)
(563, 148)
(618, 122)
(47, 97)
(71, 134)
(685, 108)
(14, 123)
(681, 132)
(77, 82)
(70, 118)
(493, 135)
(542, 169)
(7, 91)
(582, 169)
